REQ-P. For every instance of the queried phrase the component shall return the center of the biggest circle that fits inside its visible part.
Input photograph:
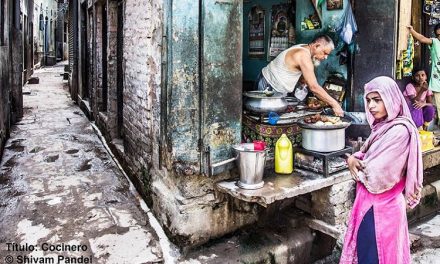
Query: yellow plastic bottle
(283, 155)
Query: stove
(256, 127)
(325, 163)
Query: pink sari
(394, 170)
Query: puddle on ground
(72, 151)
(36, 149)
(4, 179)
(52, 158)
(10, 163)
(16, 147)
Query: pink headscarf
(385, 168)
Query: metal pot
(262, 102)
(326, 138)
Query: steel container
(251, 165)
(259, 102)
(325, 140)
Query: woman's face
(376, 106)
(420, 77)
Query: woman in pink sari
(389, 174)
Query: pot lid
(264, 94)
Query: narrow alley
(59, 185)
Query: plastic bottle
(283, 155)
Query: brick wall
(142, 60)
(97, 78)
(333, 205)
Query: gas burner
(321, 162)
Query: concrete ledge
(278, 187)
(85, 107)
(431, 158)
(323, 227)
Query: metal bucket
(251, 165)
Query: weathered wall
(4, 95)
(377, 55)
(5, 69)
(106, 119)
(142, 60)
(184, 201)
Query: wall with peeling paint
(5, 69)
(173, 111)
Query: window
(2, 22)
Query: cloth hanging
(348, 27)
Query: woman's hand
(419, 105)
(355, 165)
(414, 198)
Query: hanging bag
(348, 26)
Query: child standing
(419, 99)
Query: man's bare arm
(419, 36)
(307, 69)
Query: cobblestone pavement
(59, 186)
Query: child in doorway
(419, 99)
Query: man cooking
(284, 71)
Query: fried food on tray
(323, 120)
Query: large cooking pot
(323, 138)
(264, 102)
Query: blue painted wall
(304, 8)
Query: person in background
(419, 99)
(388, 171)
(282, 74)
(434, 46)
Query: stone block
(333, 204)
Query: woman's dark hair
(436, 27)
(416, 70)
